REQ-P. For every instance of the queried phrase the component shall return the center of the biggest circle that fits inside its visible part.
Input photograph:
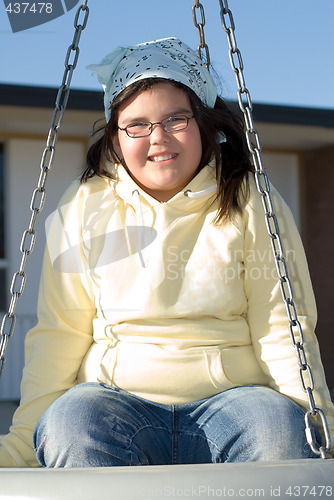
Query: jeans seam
(208, 440)
(144, 428)
(175, 434)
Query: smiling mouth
(162, 157)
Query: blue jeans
(95, 425)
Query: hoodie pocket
(216, 371)
(234, 366)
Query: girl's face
(162, 163)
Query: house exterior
(298, 154)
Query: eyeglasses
(143, 129)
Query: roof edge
(91, 100)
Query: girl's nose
(158, 134)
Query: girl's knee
(264, 425)
(89, 426)
(64, 425)
(280, 428)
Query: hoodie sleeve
(267, 316)
(54, 349)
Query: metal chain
(263, 186)
(203, 49)
(39, 193)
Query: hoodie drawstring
(197, 194)
(140, 226)
(140, 218)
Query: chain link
(263, 186)
(203, 49)
(39, 193)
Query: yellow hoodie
(155, 299)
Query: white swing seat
(308, 479)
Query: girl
(162, 335)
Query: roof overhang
(27, 110)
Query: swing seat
(307, 478)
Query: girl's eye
(175, 123)
(138, 125)
(175, 119)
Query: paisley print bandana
(168, 58)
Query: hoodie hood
(149, 213)
(200, 192)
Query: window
(3, 263)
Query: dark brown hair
(232, 157)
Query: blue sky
(287, 45)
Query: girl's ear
(116, 146)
